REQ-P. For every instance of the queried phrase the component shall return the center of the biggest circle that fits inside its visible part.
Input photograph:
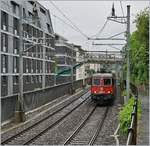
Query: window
(16, 25)
(27, 65)
(14, 7)
(49, 67)
(96, 81)
(4, 80)
(61, 60)
(15, 64)
(36, 63)
(4, 63)
(40, 79)
(60, 50)
(32, 79)
(4, 20)
(4, 42)
(30, 15)
(24, 13)
(37, 79)
(48, 28)
(16, 80)
(113, 82)
(43, 11)
(40, 66)
(34, 32)
(27, 79)
(38, 51)
(16, 45)
(31, 66)
(46, 67)
(107, 81)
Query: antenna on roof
(113, 10)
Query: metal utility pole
(120, 19)
(128, 55)
(20, 114)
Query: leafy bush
(124, 93)
(125, 115)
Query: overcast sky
(90, 16)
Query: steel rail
(80, 126)
(54, 124)
(38, 122)
(101, 122)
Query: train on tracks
(103, 88)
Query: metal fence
(132, 130)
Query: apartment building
(38, 46)
(81, 71)
(65, 58)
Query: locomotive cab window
(96, 82)
(107, 82)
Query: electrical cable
(101, 30)
(83, 34)
(122, 9)
(63, 21)
(116, 35)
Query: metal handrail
(132, 130)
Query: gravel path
(143, 127)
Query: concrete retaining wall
(35, 99)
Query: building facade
(81, 71)
(65, 58)
(38, 46)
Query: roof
(103, 75)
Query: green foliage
(139, 49)
(124, 93)
(125, 115)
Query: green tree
(140, 48)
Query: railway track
(31, 133)
(82, 134)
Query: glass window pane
(96, 81)
(107, 81)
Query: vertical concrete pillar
(10, 65)
(44, 63)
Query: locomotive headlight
(94, 91)
(108, 92)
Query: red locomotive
(103, 87)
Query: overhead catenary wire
(114, 47)
(122, 9)
(60, 19)
(101, 30)
(117, 34)
(64, 15)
